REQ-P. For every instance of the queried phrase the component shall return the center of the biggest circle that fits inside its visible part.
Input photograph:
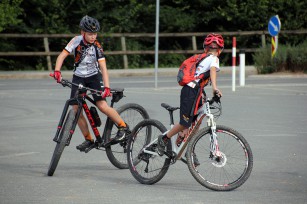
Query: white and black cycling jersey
(86, 56)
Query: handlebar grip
(215, 98)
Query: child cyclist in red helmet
(213, 46)
(89, 62)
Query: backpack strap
(200, 58)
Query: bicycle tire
(231, 170)
(59, 148)
(147, 168)
(132, 114)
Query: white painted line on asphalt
(18, 155)
(276, 85)
(276, 135)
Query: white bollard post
(242, 67)
(234, 63)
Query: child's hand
(57, 76)
(217, 92)
(107, 92)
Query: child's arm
(60, 59)
(105, 77)
(213, 82)
(104, 72)
(59, 62)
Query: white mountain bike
(217, 156)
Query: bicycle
(131, 113)
(218, 157)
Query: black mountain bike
(116, 152)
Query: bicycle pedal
(89, 148)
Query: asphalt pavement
(269, 111)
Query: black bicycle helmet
(89, 24)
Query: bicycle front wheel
(145, 164)
(59, 148)
(227, 171)
(132, 114)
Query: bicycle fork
(57, 138)
(214, 146)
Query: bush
(262, 61)
(287, 58)
(297, 61)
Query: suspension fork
(64, 113)
(214, 146)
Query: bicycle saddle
(168, 107)
(117, 90)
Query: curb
(113, 73)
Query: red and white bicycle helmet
(214, 41)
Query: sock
(121, 124)
(88, 137)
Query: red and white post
(234, 44)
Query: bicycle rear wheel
(227, 172)
(132, 114)
(147, 168)
(59, 148)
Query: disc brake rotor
(220, 161)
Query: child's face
(90, 37)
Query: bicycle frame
(82, 105)
(204, 111)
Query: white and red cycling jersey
(86, 56)
(207, 63)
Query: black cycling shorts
(93, 82)
(188, 99)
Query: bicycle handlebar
(215, 98)
(68, 83)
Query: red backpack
(187, 69)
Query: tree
(9, 12)
(138, 16)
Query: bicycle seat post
(170, 111)
(171, 115)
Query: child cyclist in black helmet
(89, 58)
(213, 46)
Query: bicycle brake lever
(64, 82)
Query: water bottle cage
(95, 116)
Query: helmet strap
(220, 50)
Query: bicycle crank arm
(111, 142)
